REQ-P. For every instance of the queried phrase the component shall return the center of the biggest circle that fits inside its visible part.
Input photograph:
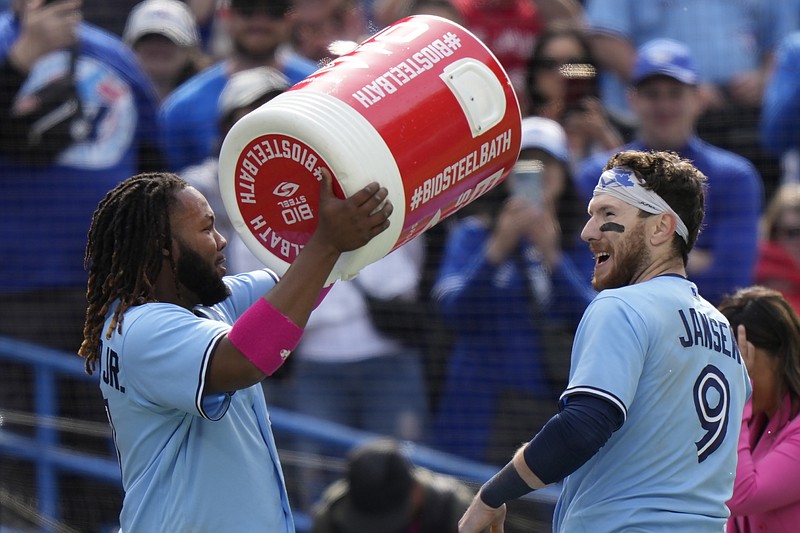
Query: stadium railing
(42, 449)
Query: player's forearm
(515, 480)
(266, 334)
(297, 293)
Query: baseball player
(182, 350)
(647, 433)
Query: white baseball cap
(545, 134)
(245, 87)
(171, 18)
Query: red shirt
(508, 28)
(777, 269)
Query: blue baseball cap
(665, 57)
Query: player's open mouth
(601, 257)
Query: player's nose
(590, 231)
(222, 242)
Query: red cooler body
(423, 107)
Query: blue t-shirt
(726, 37)
(45, 212)
(189, 117)
(734, 201)
(668, 359)
(781, 111)
(190, 462)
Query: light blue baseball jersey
(668, 359)
(190, 463)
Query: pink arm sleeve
(265, 336)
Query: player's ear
(663, 229)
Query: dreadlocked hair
(128, 232)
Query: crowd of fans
(160, 82)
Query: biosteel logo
(285, 189)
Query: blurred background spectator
(244, 92)
(109, 15)
(733, 44)
(778, 263)
(325, 29)
(188, 118)
(780, 135)
(731, 41)
(509, 268)
(346, 370)
(46, 206)
(509, 28)
(562, 85)
(382, 491)
(665, 98)
(387, 12)
(205, 16)
(439, 8)
(765, 497)
(164, 36)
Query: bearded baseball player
(182, 350)
(647, 433)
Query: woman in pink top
(766, 494)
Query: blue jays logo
(621, 176)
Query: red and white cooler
(422, 107)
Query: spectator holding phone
(562, 85)
(508, 270)
(54, 61)
(258, 31)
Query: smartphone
(580, 81)
(525, 180)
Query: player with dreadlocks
(175, 339)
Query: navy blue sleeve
(572, 437)
(566, 442)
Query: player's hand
(746, 348)
(351, 223)
(480, 516)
